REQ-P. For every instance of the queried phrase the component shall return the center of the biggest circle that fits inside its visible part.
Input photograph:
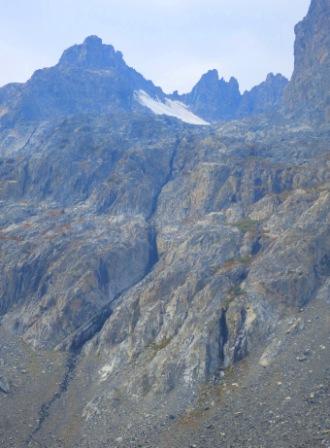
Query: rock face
(150, 248)
(84, 162)
(308, 92)
(143, 259)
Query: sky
(172, 42)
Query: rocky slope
(174, 290)
(148, 266)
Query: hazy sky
(171, 42)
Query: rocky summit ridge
(92, 54)
(215, 99)
(163, 284)
(94, 78)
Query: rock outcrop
(307, 95)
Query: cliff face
(308, 94)
(155, 256)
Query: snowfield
(171, 108)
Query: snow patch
(171, 108)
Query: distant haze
(172, 42)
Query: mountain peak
(212, 76)
(213, 98)
(278, 76)
(93, 40)
(92, 53)
(91, 77)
